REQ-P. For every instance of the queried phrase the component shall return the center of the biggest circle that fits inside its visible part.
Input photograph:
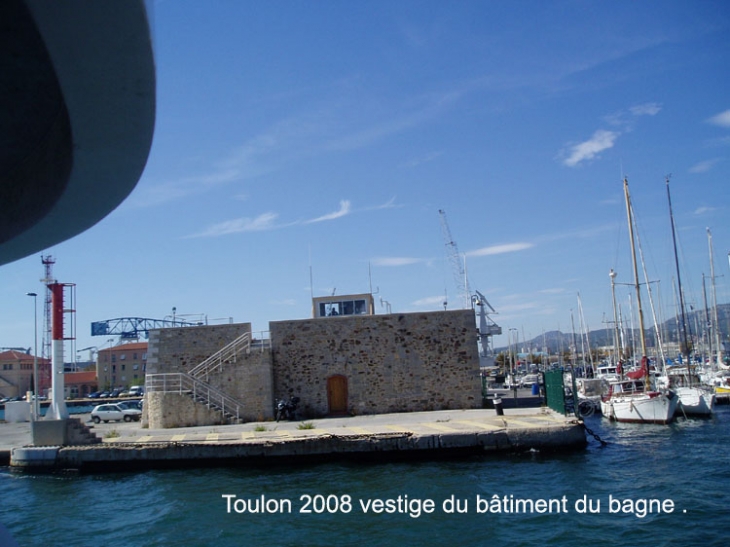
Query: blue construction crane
(134, 327)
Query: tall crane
(487, 327)
(457, 261)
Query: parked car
(106, 413)
(135, 404)
(136, 391)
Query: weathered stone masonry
(388, 363)
(364, 364)
(247, 379)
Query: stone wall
(360, 364)
(166, 410)
(249, 381)
(180, 349)
(386, 363)
(248, 378)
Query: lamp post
(36, 408)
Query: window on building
(346, 307)
(123, 356)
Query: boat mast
(716, 325)
(709, 329)
(642, 334)
(679, 281)
(616, 340)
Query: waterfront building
(348, 364)
(121, 366)
(16, 372)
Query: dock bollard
(498, 406)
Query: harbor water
(650, 485)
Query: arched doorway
(337, 394)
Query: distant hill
(557, 341)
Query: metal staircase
(195, 382)
(200, 391)
(228, 354)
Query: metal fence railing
(178, 382)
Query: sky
(307, 148)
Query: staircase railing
(179, 382)
(226, 354)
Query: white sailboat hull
(652, 407)
(695, 401)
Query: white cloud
(427, 158)
(390, 204)
(500, 249)
(703, 166)
(722, 119)
(341, 212)
(646, 109)
(552, 291)
(704, 210)
(395, 261)
(600, 141)
(260, 223)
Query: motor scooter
(287, 408)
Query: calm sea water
(684, 467)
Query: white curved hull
(651, 408)
(695, 401)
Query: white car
(115, 412)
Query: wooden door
(337, 394)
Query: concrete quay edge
(388, 437)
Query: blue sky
(324, 137)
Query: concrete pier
(386, 437)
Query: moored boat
(633, 399)
(695, 398)
(628, 401)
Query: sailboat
(694, 397)
(632, 399)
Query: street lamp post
(36, 407)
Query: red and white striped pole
(57, 409)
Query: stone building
(16, 372)
(121, 366)
(344, 364)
